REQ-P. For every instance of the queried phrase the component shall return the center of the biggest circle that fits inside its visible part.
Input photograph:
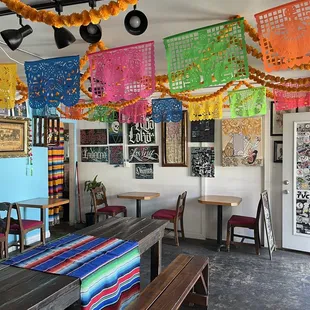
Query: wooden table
(220, 201)
(43, 204)
(148, 233)
(138, 196)
(29, 289)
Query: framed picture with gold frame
(174, 143)
(14, 136)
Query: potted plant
(88, 186)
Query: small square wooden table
(43, 204)
(220, 201)
(138, 196)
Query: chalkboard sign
(268, 223)
(96, 154)
(143, 154)
(142, 133)
(202, 131)
(93, 136)
(144, 171)
(115, 131)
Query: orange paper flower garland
(50, 18)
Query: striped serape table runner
(109, 269)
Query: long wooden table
(28, 289)
(148, 233)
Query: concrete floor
(241, 280)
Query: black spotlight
(135, 22)
(91, 33)
(63, 37)
(14, 37)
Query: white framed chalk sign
(268, 223)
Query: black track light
(14, 37)
(63, 37)
(135, 22)
(92, 32)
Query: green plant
(89, 185)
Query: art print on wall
(174, 143)
(202, 160)
(115, 131)
(202, 131)
(21, 110)
(95, 154)
(116, 155)
(276, 120)
(278, 152)
(93, 136)
(142, 133)
(242, 142)
(302, 177)
(144, 171)
(143, 154)
(5, 112)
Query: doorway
(296, 182)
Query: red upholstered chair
(174, 216)
(246, 222)
(99, 197)
(5, 207)
(22, 227)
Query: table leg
(156, 259)
(43, 219)
(219, 227)
(138, 207)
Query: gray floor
(241, 280)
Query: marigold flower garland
(50, 18)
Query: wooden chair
(99, 197)
(174, 216)
(4, 232)
(22, 227)
(246, 222)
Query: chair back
(7, 207)
(259, 210)
(99, 196)
(181, 203)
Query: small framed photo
(278, 152)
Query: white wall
(200, 220)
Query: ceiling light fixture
(14, 37)
(63, 37)
(135, 22)
(92, 32)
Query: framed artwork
(202, 161)
(93, 136)
(95, 154)
(242, 142)
(14, 136)
(143, 154)
(21, 110)
(144, 171)
(278, 151)
(115, 131)
(202, 131)
(174, 143)
(268, 223)
(142, 133)
(4, 112)
(116, 155)
(276, 120)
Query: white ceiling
(165, 18)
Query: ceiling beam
(46, 5)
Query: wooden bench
(186, 279)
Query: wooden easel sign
(268, 223)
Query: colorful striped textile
(109, 269)
(56, 175)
